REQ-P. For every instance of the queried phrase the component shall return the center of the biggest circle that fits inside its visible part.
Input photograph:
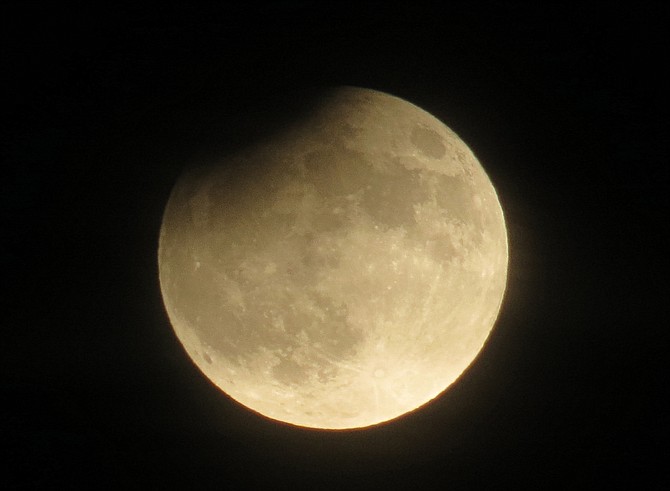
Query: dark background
(105, 105)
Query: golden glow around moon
(341, 274)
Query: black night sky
(106, 105)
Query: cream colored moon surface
(341, 273)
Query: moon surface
(341, 273)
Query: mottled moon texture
(341, 273)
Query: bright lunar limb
(341, 273)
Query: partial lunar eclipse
(341, 273)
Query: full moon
(340, 273)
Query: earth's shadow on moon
(219, 127)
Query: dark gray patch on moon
(336, 171)
(428, 142)
(289, 372)
(390, 197)
(456, 199)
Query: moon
(341, 273)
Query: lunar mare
(341, 273)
